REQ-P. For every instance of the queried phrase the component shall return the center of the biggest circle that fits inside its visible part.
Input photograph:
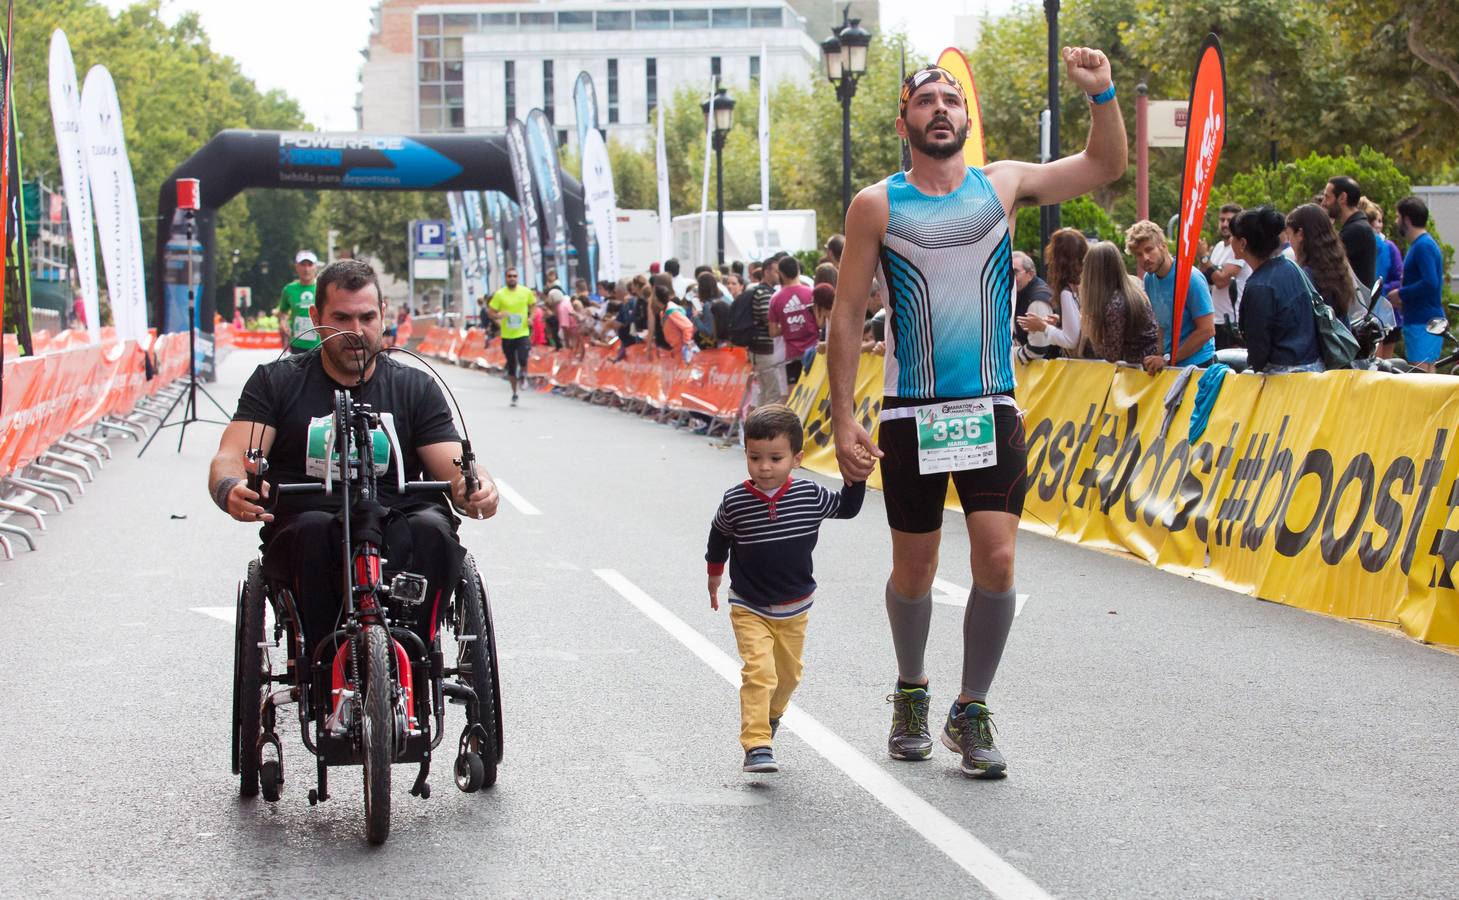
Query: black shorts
(517, 351)
(915, 501)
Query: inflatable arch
(236, 160)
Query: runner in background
(294, 303)
(511, 308)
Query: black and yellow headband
(923, 77)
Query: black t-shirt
(288, 393)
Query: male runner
(294, 303)
(941, 234)
(511, 308)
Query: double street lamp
(722, 108)
(845, 55)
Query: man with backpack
(749, 327)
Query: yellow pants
(771, 651)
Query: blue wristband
(1105, 96)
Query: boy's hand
(714, 581)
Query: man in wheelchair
(286, 409)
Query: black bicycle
(371, 693)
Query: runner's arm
(866, 222)
(1103, 160)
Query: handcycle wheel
(479, 655)
(378, 724)
(248, 683)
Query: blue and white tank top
(947, 263)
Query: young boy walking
(767, 527)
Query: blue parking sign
(430, 238)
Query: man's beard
(352, 352)
(938, 150)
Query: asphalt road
(1165, 738)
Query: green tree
(375, 223)
(175, 94)
(1405, 58)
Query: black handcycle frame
(346, 726)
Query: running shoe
(774, 727)
(910, 738)
(514, 399)
(760, 759)
(969, 731)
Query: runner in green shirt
(511, 307)
(294, 304)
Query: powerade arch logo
(362, 161)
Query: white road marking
(518, 502)
(949, 594)
(972, 855)
(222, 613)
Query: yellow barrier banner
(1334, 492)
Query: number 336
(957, 430)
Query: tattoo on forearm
(222, 489)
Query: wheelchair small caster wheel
(470, 772)
(313, 796)
(270, 779)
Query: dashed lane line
(949, 594)
(1000, 878)
(518, 502)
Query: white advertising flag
(114, 199)
(66, 113)
(602, 202)
(666, 223)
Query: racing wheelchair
(371, 693)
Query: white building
(470, 66)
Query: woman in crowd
(1321, 254)
(707, 322)
(1276, 307)
(1065, 255)
(678, 331)
(1118, 324)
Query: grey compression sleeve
(986, 623)
(911, 619)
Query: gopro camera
(407, 589)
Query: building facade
(473, 65)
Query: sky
(310, 49)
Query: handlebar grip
(281, 489)
(427, 487)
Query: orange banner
(953, 60)
(1205, 133)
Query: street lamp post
(845, 55)
(1049, 216)
(722, 108)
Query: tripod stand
(193, 388)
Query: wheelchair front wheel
(379, 731)
(249, 686)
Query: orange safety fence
(713, 383)
(73, 383)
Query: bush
(1081, 213)
(1289, 185)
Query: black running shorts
(915, 501)
(517, 351)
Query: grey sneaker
(970, 733)
(909, 738)
(514, 399)
(760, 759)
(774, 727)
